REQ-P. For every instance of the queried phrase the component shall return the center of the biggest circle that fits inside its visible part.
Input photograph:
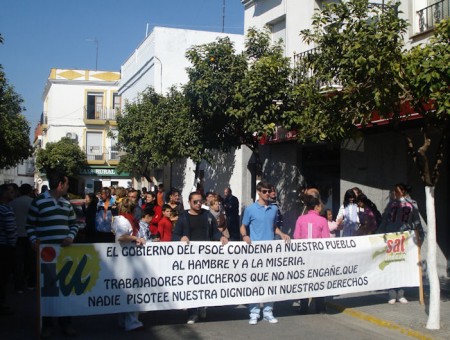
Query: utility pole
(223, 17)
(95, 40)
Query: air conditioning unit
(72, 135)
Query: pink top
(311, 225)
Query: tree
(360, 52)
(427, 76)
(14, 128)
(65, 156)
(236, 96)
(135, 133)
(263, 92)
(155, 131)
(352, 73)
(210, 92)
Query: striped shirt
(8, 228)
(50, 220)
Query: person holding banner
(400, 215)
(260, 220)
(123, 231)
(51, 219)
(308, 226)
(197, 224)
(348, 215)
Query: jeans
(255, 309)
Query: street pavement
(354, 316)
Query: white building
(22, 173)
(160, 62)
(373, 163)
(82, 104)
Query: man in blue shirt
(260, 220)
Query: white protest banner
(86, 279)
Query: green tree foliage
(155, 131)
(14, 128)
(263, 92)
(354, 71)
(238, 97)
(65, 156)
(213, 77)
(427, 74)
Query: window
(94, 108)
(94, 146)
(278, 30)
(117, 101)
(113, 149)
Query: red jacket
(165, 229)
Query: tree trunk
(434, 314)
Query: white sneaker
(192, 319)
(402, 300)
(253, 321)
(391, 301)
(270, 318)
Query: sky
(43, 34)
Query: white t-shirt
(121, 226)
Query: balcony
(44, 121)
(99, 115)
(433, 14)
(304, 71)
(97, 154)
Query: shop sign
(102, 171)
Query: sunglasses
(266, 191)
(196, 201)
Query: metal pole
(223, 17)
(160, 80)
(96, 54)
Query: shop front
(93, 178)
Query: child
(332, 225)
(165, 224)
(311, 225)
(144, 225)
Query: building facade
(82, 105)
(375, 162)
(160, 62)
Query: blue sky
(43, 34)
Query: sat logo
(73, 271)
(396, 245)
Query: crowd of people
(116, 214)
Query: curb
(379, 322)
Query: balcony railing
(301, 62)
(100, 153)
(100, 113)
(433, 14)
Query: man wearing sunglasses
(259, 224)
(197, 224)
